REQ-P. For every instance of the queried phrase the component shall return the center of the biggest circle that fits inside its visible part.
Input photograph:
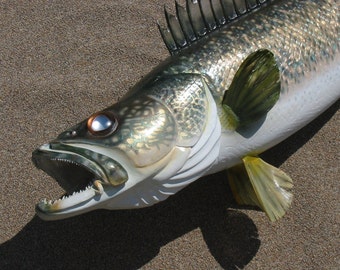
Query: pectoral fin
(254, 90)
(258, 183)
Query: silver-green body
(173, 127)
(304, 38)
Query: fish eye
(102, 123)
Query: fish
(242, 76)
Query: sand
(60, 61)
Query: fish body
(186, 119)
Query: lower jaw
(67, 202)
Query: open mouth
(83, 174)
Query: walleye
(243, 76)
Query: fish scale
(184, 95)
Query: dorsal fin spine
(200, 17)
(168, 39)
(175, 29)
(196, 18)
(236, 9)
(208, 15)
(239, 8)
(217, 9)
(185, 23)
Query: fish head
(106, 155)
(135, 153)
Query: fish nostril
(52, 145)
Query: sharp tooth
(73, 199)
(66, 202)
(99, 186)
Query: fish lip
(75, 172)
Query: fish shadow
(130, 239)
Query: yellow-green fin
(258, 183)
(254, 90)
(241, 187)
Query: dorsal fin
(201, 17)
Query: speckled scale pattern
(185, 96)
(147, 131)
(299, 33)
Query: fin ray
(218, 12)
(241, 187)
(175, 29)
(271, 185)
(229, 9)
(196, 18)
(240, 6)
(184, 20)
(208, 15)
(254, 90)
(168, 38)
(258, 183)
(200, 17)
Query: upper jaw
(81, 173)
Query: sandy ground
(60, 61)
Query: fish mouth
(84, 175)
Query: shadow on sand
(130, 239)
